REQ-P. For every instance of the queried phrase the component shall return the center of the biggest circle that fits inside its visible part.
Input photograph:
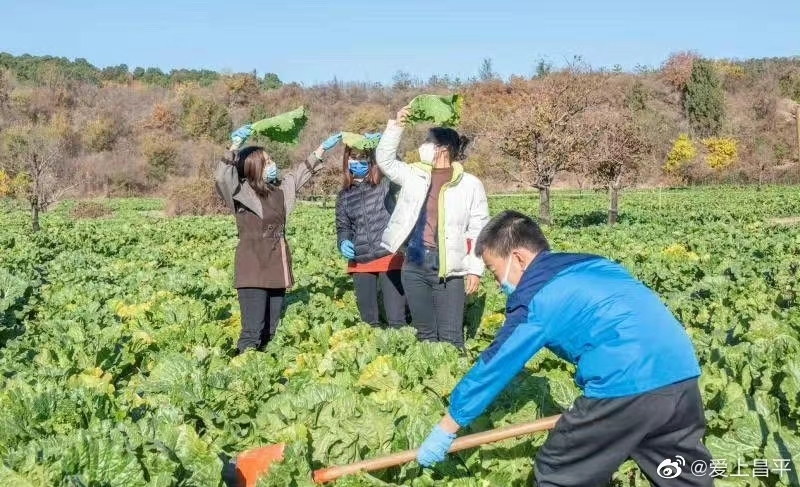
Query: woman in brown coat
(247, 181)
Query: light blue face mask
(270, 173)
(358, 168)
(507, 288)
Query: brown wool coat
(262, 256)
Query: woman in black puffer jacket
(363, 208)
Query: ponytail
(455, 143)
(463, 142)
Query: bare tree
(403, 80)
(31, 153)
(615, 160)
(761, 134)
(486, 71)
(764, 160)
(541, 128)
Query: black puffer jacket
(362, 213)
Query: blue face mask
(270, 173)
(359, 168)
(507, 288)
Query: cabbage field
(117, 338)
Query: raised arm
(302, 173)
(226, 181)
(298, 176)
(386, 153)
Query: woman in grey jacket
(440, 211)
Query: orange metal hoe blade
(253, 464)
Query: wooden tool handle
(469, 441)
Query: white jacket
(463, 209)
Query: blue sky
(315, 41)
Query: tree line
(67, 127)
(38, 69)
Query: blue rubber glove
(331, 141)
(376, 135)
(435, 446)
(347, 249)
(240, 135)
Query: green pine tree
(704, 100)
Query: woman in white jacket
(439, 213)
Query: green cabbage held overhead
(284, 128)
(360, 142)
(440, 110)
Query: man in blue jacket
(635, 364)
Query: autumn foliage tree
(367, 118)
(161, 155)
(677, 69)
(721, 152)
(682, 153)
(616, 158)
(241, 88)
(542, 128)
(204, 118)
(162, 118)
(101, 133)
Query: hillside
(117, 131)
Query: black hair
(446, 137)
(511, 230)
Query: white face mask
(427, 152)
